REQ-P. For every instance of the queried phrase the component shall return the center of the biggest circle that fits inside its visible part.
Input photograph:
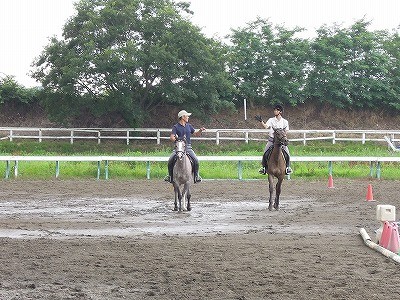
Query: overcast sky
(27, 25)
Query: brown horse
(276, 166)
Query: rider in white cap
(183, 129)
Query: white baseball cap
(183, 113)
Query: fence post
(217, 138)
(333, 138)
(240, 170)
(371, 169)
(11, 135)
(98, 169)
(330, 168)
(72, 137)
(378, 170)
(98, 137)
(127, 137)
(148, 169)
(40, 135)
(158, 137)
(8, 169)
(16, 169)
(57, 168)
(246, 136)
(106, 169)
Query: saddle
(190, 159)
(267, 153)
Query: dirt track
(121, 240)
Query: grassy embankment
(215, 170)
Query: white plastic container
(386, 213)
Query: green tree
(131, 57)
(369, 66)
(268, 63)
(12, 93)
(349, 67)
(391, 45)
(328, 80)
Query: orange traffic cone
(370, 197)
(330, 182)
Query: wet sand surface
(69, 239)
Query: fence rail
(217, 135)
(375, 162)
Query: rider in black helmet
(275, 122)
(279, 107)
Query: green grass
(208, 170)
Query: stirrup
(263, 170)
(288, 170)
(168, 179)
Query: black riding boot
(288, 169)
(171, 163)
(197, 177)
(264, 161)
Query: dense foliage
(268, 64)
(15, 94)
(352, 68)
(131, 57)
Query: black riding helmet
(279, 107)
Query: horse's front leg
(271, 190)
(177, 196)
(180, 196)
(188, 195)
(278, 193)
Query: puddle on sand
(123, 217)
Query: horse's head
(180, 148)
(280, 136)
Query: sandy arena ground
(121, 240)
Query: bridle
(180, 148)
(280, 136)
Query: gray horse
(182, 176)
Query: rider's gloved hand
(258, 118)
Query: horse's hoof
(270, 207)
(175, 209)
(189, 208)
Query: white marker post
(245, 110)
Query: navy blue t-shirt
(183, 131)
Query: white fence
(12, 162)
(217, 135)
